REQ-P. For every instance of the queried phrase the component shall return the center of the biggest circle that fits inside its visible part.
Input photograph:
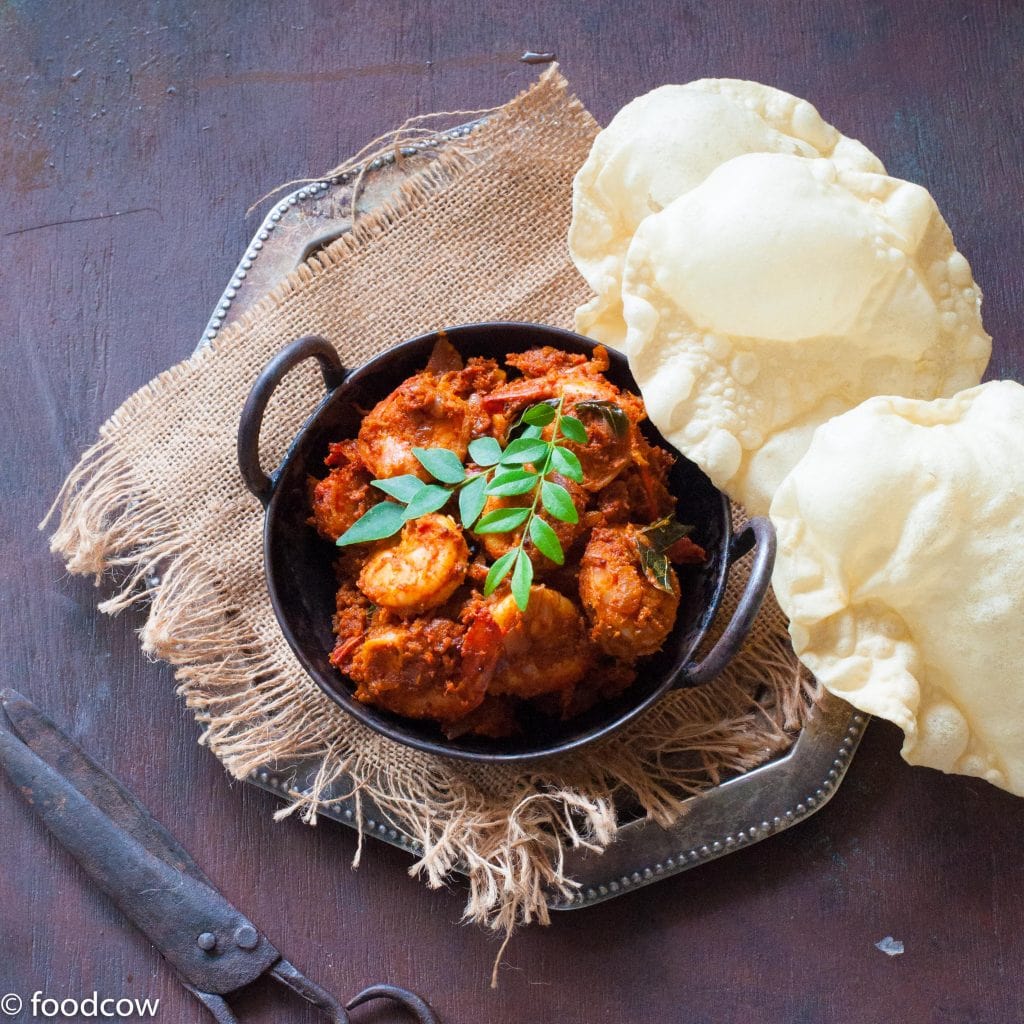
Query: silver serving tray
(738, 812)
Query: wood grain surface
(134, 137)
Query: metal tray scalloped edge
(737, 813)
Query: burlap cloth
(480, 235)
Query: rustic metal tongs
(215, 949)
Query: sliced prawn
(420, 570)
(549, 373)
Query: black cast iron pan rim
(757, 531)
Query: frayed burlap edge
(507, 829)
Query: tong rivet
(207, 941)
(246, 937)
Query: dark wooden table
(134, 137)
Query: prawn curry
(506, 539)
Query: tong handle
(290, 976)
(206, 939)
(415, 1004)
(217, 1005)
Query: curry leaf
(515, 481)
(661, 535)
(539, 415)
(566, 463)
(611, 413)
(404, 488)
(656, 567)
(505, 475)
(653, 543)
(472, 499)
(426, 500)
(557, 500)
(522, 578)
(502, 520)
(499, 571)
(485, 451)
(523, 450)
(383, 520)
(573, 429)
(441, 464)
(552, 403)
(546, 540)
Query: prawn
(406, 667)
(579, 383)
(629, 616)
(526, 654)
(419, 571)
(344, 494)
(423, 412)
(442, 407)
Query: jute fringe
(391, 143)
(158, 503)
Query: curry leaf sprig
(522, 469)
